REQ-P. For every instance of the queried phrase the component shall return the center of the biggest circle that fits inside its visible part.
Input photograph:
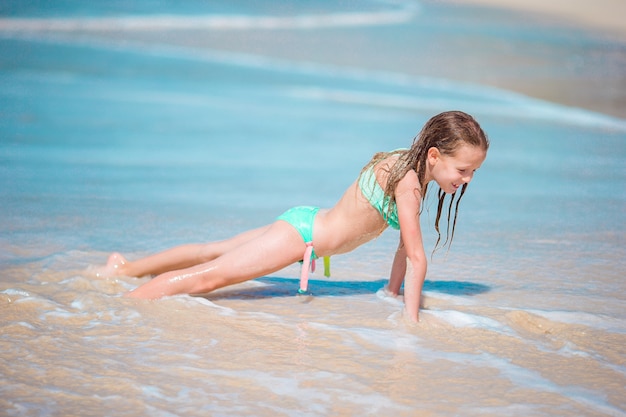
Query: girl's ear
(433, 155)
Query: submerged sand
(544, 336)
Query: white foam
(25, 324)
(44, 303)
(58, 313)
(600, 321)
(454, 299)
(191, 300)
(569, 349)
(15, 291)
(152, 391)
(506, 105)
(317, 400)
(387, 297)
(392, 15)
(389, 339)
(524, 377)
(460, 319)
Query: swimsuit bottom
(302, 219)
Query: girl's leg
(176, 258)
(277, 247)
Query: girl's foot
(115, 267)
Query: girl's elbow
(418, 258)
(417, 254)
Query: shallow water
(139, 140)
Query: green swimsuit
(376, 196)
(303, 217)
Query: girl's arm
(398, 269)
(408, 200)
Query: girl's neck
(428, 177)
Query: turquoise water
(136, 140)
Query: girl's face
(452, 171)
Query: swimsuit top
(376, 196)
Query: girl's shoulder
(409, 180)
(389, 160)
(409, 185)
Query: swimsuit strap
(309, 260)
(304, 273)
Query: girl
(388, 192)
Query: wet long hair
(446, 131)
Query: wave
(400, 14)
(523, 107)
(426, 96)
(601, 321)
(429, 93)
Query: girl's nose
(466, 179)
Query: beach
(604, 16)
(138, 126)
(590, 76)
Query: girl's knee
(208, 252)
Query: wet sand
(591, 77)
(604, 16)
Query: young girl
(388, 192)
